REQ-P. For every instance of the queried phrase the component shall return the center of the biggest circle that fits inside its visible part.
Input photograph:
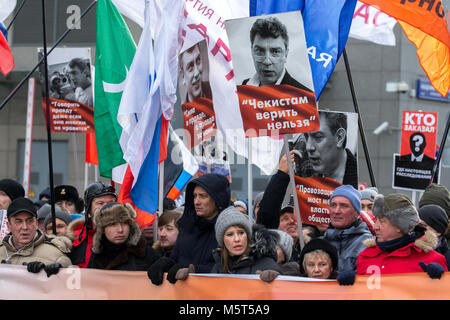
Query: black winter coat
(121, 257)
(196, 238)
(270, 205)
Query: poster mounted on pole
(273, 74)
(414, 164)
(324, 160)
(70, 90)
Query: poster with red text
(273, 74)
(71, 100)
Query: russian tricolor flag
(6, 57)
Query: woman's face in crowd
(235, 240)
(318, 266)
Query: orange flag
(424, 24)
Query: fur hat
(319, 244)
(111, 213)
(369, 194)
(435, 217)
(436, 194)
(349, 192)
(399, 209)
(12, 188)
(231, 217)
(286, 243)
(66, 192)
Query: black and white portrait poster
(273, 74)
(70, 93)
(324, 160)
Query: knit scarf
(398, 243)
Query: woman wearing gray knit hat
(401, 245)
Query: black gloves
(34, 266)
(171, 275)
(156, 271)
(52, 269)
(346, 278)
(433, 269)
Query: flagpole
(294, 192)
(47, 114)
(360, 124)
(61, 38)
(250, 179)
(441, 149)
(15, 15)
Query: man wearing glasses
(270, 48)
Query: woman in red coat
(400, 246)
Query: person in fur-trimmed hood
(118, 243)
(401, 245)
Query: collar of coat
(63, 243)
(426, 242)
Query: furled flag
(6, 57)
(115, 49)
(372, 25)
(148, 99)
(179, 167)
(326, 24)
(424, 25)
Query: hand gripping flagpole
(61, 38)
(360, 124)
(294, 192)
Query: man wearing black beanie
(9, 190)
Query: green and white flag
(115, 49)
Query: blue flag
(326, 23)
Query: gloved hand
(183, 273)
(171, 274)
(346, 278)
(5, 262)
(156, 271)
(34, 266)
(52, 269)
(267, 275)
(433, 269)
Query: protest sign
(70, 90)
(324, 160)
(276, 91)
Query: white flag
(371, 24)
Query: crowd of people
(211, 234)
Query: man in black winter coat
(206, 197)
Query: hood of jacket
(425, 240)
(217, 187)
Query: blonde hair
(316, 253)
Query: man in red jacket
(401, 245)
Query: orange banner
(277, 109)
(69, 116)
(88, 284)
(313, 199)
(199, 120)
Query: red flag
(6, 57)
(91, 149)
